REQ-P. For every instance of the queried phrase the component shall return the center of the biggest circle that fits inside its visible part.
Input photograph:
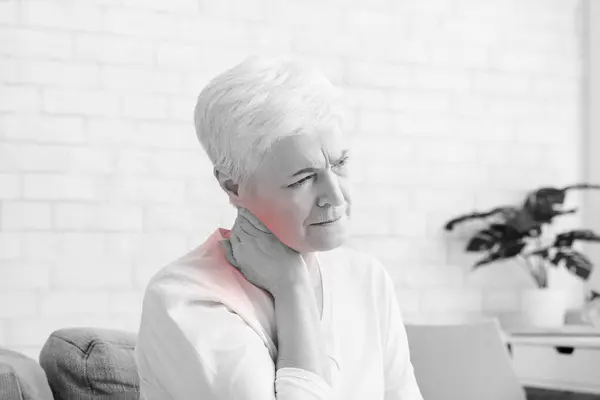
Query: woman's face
(302, 183)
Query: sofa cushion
(21, 378)
(90, 363)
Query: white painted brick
(408, 300)
(432, 200)
(418, 101)
(181, 108)
(376, 222)
(26, 157)
(464, 98)
(408, 52)
(9, 12)
(441, 299)
(159, 250)
(18, 275)
(268, 38)
(40, 246)
(124, 322)
(25, 216)
(177, 163)
(10, 246)
(124, 246)
(167, 136)
(139, 80)
(129, 302)
(379, 75)
(378, 123)
(113, 49)
(149, 107)
(500, 275)
(441, 80)
(146, 190)
(179, 56)
(8, 68)
(81, 245)
(144, 273)
(72, 216)
(207, 191)
(395, 197)
(322, 41)
(19, 98)
(460, 56)
(43, 128)
(92, 160)
(142, 23)
(161, 218)
(35, 43)
(175, 6)
(61, 187)
(365, 98)
(445, 152)
(21, 303)
(69, 302)
(59, 73)
(239, 10)
(100, 274)
(111, 131)
(501, 300)
(318, 15)
(422, 126)
(409, 223)
(10, 186)
(133, 161)
(63, 15)
(29, 332)
(499, 83)
(93, 102)
(203, 28)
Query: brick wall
(460, 104)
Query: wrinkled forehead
(314, 149)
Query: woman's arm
(298, 329)
(400, 381)
(193, 349)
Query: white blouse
(207, 333)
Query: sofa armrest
(22, 378)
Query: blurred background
(459, 105)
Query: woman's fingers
(253, 220)
(226, 244)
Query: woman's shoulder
(203, 273)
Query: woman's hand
(261, 257)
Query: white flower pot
(545, 307)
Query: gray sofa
(75, 363)
(94, 363)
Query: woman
(275, 308)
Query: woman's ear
(230, 187)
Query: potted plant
(517, 232)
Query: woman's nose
(331, 193)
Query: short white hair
(242, 112)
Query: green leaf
(566, 239)
(575, 262)
(496, 234)
(505, 251)
(543, 204)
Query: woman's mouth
(326, 223)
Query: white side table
(566, 358)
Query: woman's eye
(301, 181)
(342, 162)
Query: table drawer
(544, 366)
